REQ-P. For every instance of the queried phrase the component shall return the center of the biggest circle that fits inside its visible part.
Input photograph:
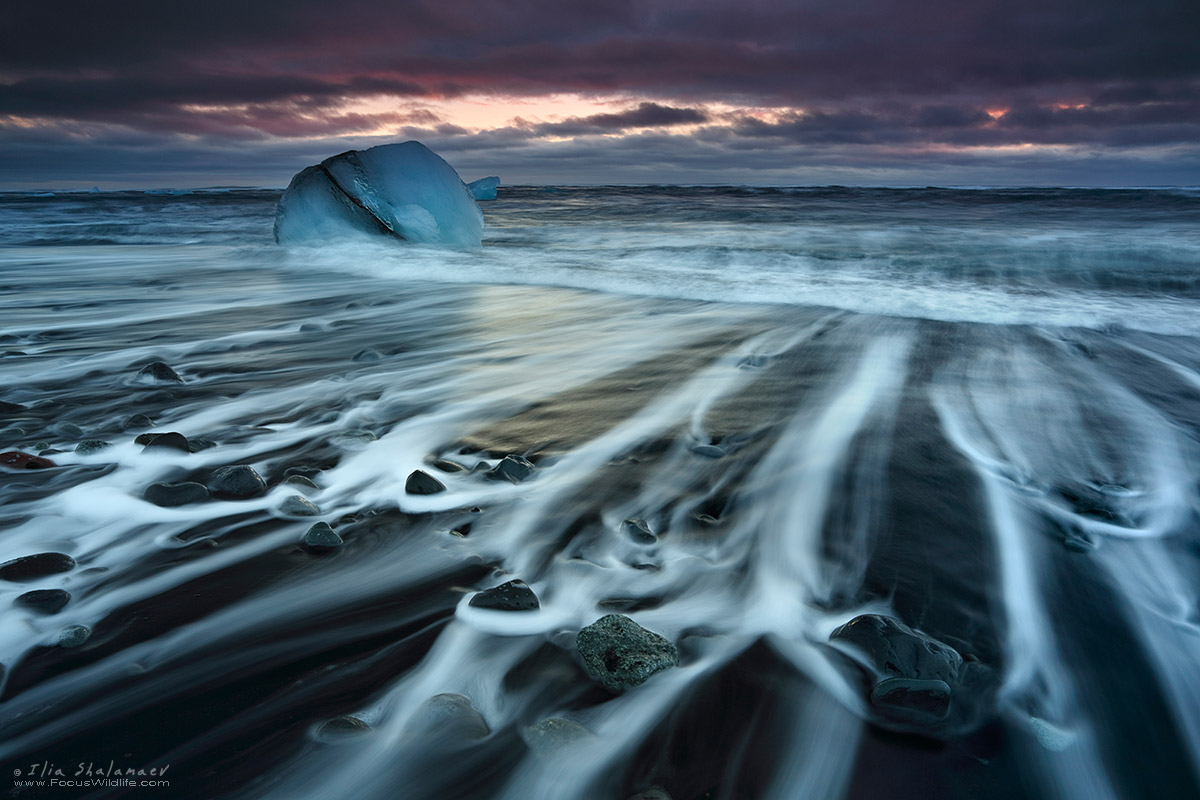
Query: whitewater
(750, 417)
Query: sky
(151, 93)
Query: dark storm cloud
(868, 73)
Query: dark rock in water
(423, 483)
(297, 506)
(14, 459)
(708, 520)
(322, 537)
(169, 495)
(91, 446)
(168, 441)
(892, 649)
(301, 482)
(511, 596)
(158, 372)
(513, 469)
(10, 408)
(446, 465)
(45, 601)
(620, 654)
(73, 636)
(239, 482)
(708, 450)
(340, 728)
(137, 422)
(913, 700)
(39, 565)
(145, 438)
(449, 717)
(637, 529)
(198, 443)
(367, 355)
(52, 451)
(549, 736)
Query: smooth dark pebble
(45, 601)
(38, 565)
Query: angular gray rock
(621, 654)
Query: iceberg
(484, 188)
(403, 190)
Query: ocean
(906, 479)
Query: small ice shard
(484, 188)
(403, 190)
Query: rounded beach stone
(90, 446)
(158, 372)
(238, 482)
(423, 483)
(169, 495)
(73, 636)
(38, 565)
(297, 506)
(511, 468)
(45, 601)
(621, 654)
(322, 537)
(512, 596)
